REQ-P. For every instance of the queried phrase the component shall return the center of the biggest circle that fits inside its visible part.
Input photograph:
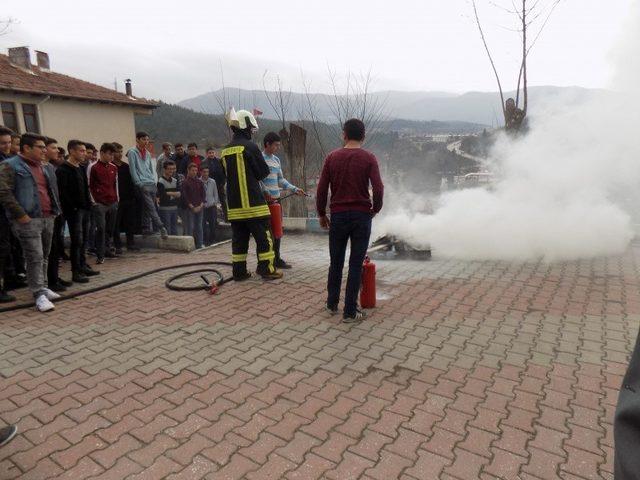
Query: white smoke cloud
(566, 190)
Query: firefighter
(247, 211)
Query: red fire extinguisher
(368, 291)
(276, 219)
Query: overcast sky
(173, 50)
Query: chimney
(127, 87)
(42, 59)
(20, 57)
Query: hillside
(417, 162)
(475, 107)
(173, 123)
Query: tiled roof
(43, 82)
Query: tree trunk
(294, 169)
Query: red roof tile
(42, 82)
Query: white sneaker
(50, 294)
(43, 304)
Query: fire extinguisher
(276, 219)
(368, 291)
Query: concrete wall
(93, 122)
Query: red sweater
(193, 191)
(103, 183)
(348, 172)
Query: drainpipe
(40, 121)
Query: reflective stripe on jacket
(244, 167)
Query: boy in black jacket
(76, 207)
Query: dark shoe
(241, 277)
(272, 276)
(92, 251)
(282, 264)
(109, 254)
(57, 287)
(7, 434)
(147, 233)
(79, 278)
(6, 298)
(163, 233)
(64, 283)
(332, 309)
(15, 283)
(90, 272)
(118, 251)
(133, 248)
(100, 261)
(355, 317)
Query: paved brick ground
(466, 370)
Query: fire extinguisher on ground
(368, 291)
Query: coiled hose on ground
(169, 283)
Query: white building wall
(66, 119)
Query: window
(30, 114)
(9, 117)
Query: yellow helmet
(241, 119)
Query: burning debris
(390, 247)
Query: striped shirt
(275, 182)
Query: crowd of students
(95, 196)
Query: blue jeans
(194, 226)
(170, 220)
(348, 226)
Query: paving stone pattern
(466, 370)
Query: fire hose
(208, 285)
(212, 286)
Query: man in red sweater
(193, 196)
(348, 172)
(103, 185)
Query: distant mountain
(173, 123)
(474, 107)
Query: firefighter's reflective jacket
(244, 167)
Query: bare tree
(529, 13)
(294, 140)
(223, 101)
(310, 110)
(5, 25)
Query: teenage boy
(125, 218)
(76, 208)
(217, 173)
(211, 205)
(182, 159)
(30, 202)
(163, 157)
(348, 172)
(275, 183)
(15, 273)
(15, 144)
(144, 178)
(168, 197)
(51, 164)
(193, 196)
(192, 150)
(5, 225)
(103, 185)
